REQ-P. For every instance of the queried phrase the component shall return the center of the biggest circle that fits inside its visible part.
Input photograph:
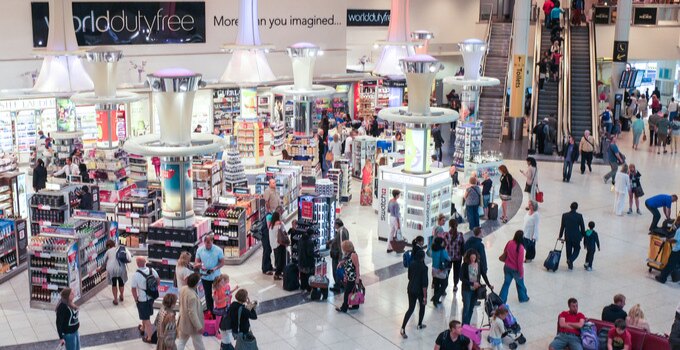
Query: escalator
(548, 98)
(580, 86)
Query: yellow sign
(517, 87)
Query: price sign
(132, 230)
(307, 210)
(44, 207)
(131, 215)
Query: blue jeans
(511, 274)
(468, 305)
(562, 340)
(608, 127)
(566, 170)
(472, 212)
(72, 341)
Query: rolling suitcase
(291, 278)
(552, 262)
(493, 211)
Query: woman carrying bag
(532, 178)
(441, 263)
(417, 290)
(505, 191)
(513, 257)
(470, 277)
(350, 262)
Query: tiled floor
(618, 268)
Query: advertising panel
(368, 18)
(174, 179)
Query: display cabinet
(207, 178)
(278, 138)
(233, 222)
(344, 165)
(13, 247)
(318, 211)
(305, 153)
(134, 214)
(363, 148)
(234, 171)
(468, 144)
(250, 140)
(226, 107)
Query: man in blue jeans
(569, 328)
(653, 204)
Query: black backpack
(122, 256)
(151, 284)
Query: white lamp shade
(398, 32)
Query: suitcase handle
(559, 240)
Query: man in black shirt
(452, 339)
(85, 199)
(615, 311)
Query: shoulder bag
(358, 295)
(282, 237)
(244, 341)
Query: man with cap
(341, 234)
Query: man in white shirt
(335, 146)
(348, 144)
(69, 169)
(436, 163)
(144, 303)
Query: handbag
(480, 210)
(539, 196)
(282, 237)
(480, 293)
(244, 341)
(358, 295)
(638, 192)
(644, 137)
(503, 256)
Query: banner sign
(128, 23)
(602, 15)
(620, 51)
(644, 15)
(517, 87)
(368, 18)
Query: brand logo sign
(644, 16)
(128, 23)
(602, 15)
(368, 18)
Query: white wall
(646, 43)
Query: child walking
(222, 294)
(498, 328)
(590, 240)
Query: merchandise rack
(264, 109)
(318, 212)
(233, 226)
(278, 138)
(70, 255)
(226, 107)
(345, 183)
(234, 172)
(13, 194)
(166, 243)
(55, 207)
(305, 153)
(13, 247)
(207, 178)
(363, 148)
(25, 134)
(134, 216)
(250, 143)
(138, 168)
(288, 184)
(110, 170)
(468, 144)
(8, 162)
(64, 143)
(335, 176)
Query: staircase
(581, 108)
(496, 66)
(548, 99)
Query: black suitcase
(493, 211)
(552, 262)
(291, 277)
(319, 294)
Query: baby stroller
(514, 331)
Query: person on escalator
(542, 72)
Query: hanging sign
(517, 87)
(644, 15)
(602, 15)
(620, 51)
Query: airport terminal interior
(340, 174)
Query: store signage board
(307, 210)
(90, 214)
(284, 162)
(517, 87)
(128, 23)
(368, 18)
(241, 191)
(404, 179)
(644, 15)
(227, 200)
(602, 15)
(30, 104)
(140, 192)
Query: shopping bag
(539, 196)
(358, 295)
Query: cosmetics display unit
(55, 205)
(278, 138)
(64, 144)
(8, 162)
(318, 212)
(234, 171)
(288, 184)
(345, 179)
(363, 148)
(13, 194)
(425, 191)
(233, 221)
(250, 140)
(208, 184)
(69, 255)
(13, 247)
(138, 169)
(468, 144)
(226, 107)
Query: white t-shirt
(673, 107)
(181, 273)
(139, 282)
(531, 226)
(273, 233)
(348, 146)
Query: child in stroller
(513, 332)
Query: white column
(624, 13)
(520, 48)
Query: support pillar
(520, 48)
(624, 12)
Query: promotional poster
(173, 177)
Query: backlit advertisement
(416, 145)
(249, 104)
(174, 179)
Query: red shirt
(619, 340)
(571, 318)
(548, 6)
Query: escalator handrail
(593, 83)
(505, 86)
(565, 97)
(488, 42)
(533, 116)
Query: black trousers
(349, 287)
(280, 259)
(266, 253)
(207, 287)
(573, 248)
(653, 138)
(530, 248)
(439, 285)
(656, 217)
(590, 254)
(456, 272)
(412, 299)
(672, 264)
(304, 281)
(586, 158)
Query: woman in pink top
(513, 257)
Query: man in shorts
(143, 301)
(569, 328)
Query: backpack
(406, 258)
(151, 284)
(602, 337)
(122, 256)
(589, 338)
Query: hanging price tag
(132, 215)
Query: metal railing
(593, 83)
(487, 39)
(563, 93)
(505, 86)
(533, 115)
